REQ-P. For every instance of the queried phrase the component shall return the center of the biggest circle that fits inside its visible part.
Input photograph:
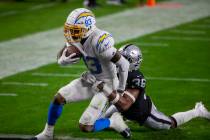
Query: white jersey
(99, 48)
(98, 51)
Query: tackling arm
(121, 101)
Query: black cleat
(34, 138)
(126, 133)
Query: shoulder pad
(103, 42)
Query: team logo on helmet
(85, 18)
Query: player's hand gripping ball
(71, 50)
(69, 55)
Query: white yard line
(75, 66)
(41, 48)
(152, 44)
(178, 79)
(205, 39)
(55, 74)
(190, 79)
(200, 26)
(8, 13)
(41, 6)
(188, 32)
(8, 94)
(25, 84)
(36, 7)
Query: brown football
(71, 50)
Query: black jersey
(140, 110)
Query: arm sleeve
(103, 42)
(105, 46)
(109, 53)
(123, 65)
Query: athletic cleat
(202, 111)
(126, 133)
(46, 134)
(42, 136)
(118, 124)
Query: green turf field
(23, 18)
(176, 63)
(19, 19)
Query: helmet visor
(74, 33)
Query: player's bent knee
(173, 123)
(59, 99)
(85, 128)
(94, 110)
(87, 117)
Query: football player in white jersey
(101, 59)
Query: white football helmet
(133, 54)
(79, 24)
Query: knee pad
(89, 116)
(95, 110)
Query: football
(72, 49)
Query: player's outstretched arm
(121, 101)
(125, 100)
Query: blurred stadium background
(173, 35)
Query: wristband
(116, 99)
(130, 95)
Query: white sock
(183, 117)
(112, 109)
(48, 130)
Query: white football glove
(91, 80)
(64, 60)
(88, 77)
(95, 86)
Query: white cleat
(46, 134)
(43, 136)
(118, 124)
(202, 111)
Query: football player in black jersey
(135, 105)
